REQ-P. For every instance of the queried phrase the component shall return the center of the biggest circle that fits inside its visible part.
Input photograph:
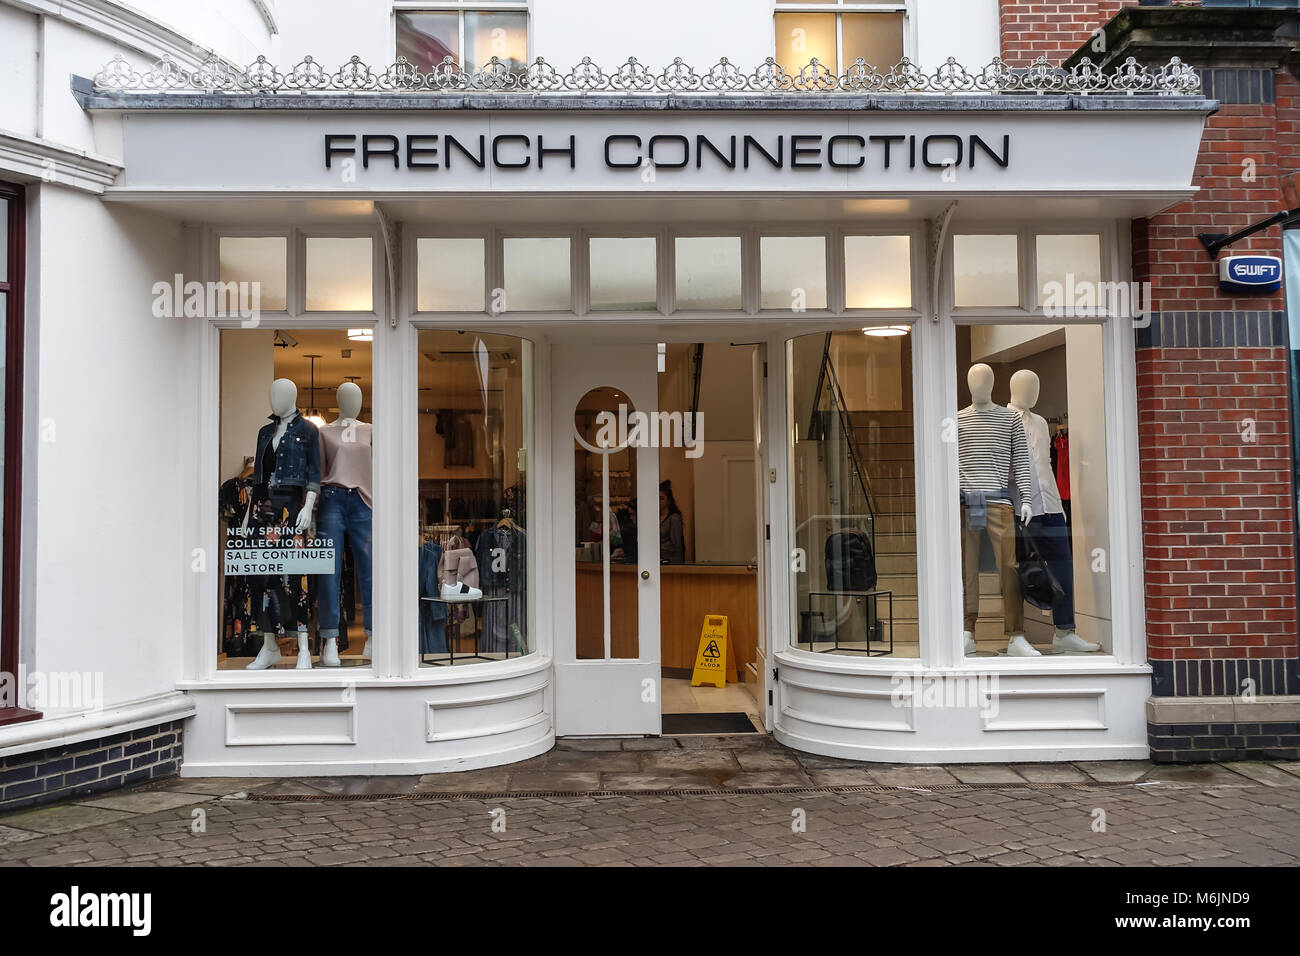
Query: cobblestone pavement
(689, 801)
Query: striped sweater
(992, 453)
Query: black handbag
(850, 562)
(1038, 585)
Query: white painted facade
(120, 412)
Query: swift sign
(1250, 274)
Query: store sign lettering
(625, 151)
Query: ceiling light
(886, 331)
(361, 335)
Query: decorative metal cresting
(217, 76)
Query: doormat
(733, 723)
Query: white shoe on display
(304, 653)
(366, 652)
(968, 642)
(268, 656)
(1072, 643)
(329, 655)
(1019, 647)
(460, 592)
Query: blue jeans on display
(1052, 535)
(342, 512)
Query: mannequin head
(284, 397)
(980, 380)
(349, 396)
(1024, 389)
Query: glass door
(606, 556)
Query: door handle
(645, 575)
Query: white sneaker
(329, 655)
(1072, 643)
(968, 642)
(366, 653)
(460, 592)
(268, 656)
(1019, 647)
(304, 653)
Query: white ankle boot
(1017, 646)
(968, 642)
(268, 656)
(1071, 643)
(329, 654)
(304, 652)
(366, 652)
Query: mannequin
(345, 513)
(286, 476)
(1051, 532)
(992, 452)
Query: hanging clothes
(433, 615)
(501, 554)
(1061, 445)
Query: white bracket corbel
(938, 231)
(392, 235)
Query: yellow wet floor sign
(711, 658)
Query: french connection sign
(600, 151)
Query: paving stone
(490, 780)
(651, 743)
(62, 818)
(555, 780)
(842, 777)
(215, 786)
(146, 801)
(1050, 772)
(985, 773)
(913, 777)
(766, 778)
(1114, 771)
(647, 781)
(1263, 773)
(671, 761)
(1193, 775)
(589, 743)
(15, 835)
(599, 761)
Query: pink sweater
(345, 454)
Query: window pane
(537, 275)
(4, 240)
(425, 38)
(260, 261)
(793, 272)
(292, 598)
(1069, 267)
(708, 272)
(853, 493)
(801, 37)
(985, 271)
(449, 275)
(340, 275)
(1032, 429)
(503, 35)
(474, 431)
(876, 37)
(600, 540)
(623, 274)
(878, 272)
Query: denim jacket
(297, 459)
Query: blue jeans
(1052, 535)
(343, 513)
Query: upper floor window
(469, 33)
(837, 32)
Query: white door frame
(604, 697)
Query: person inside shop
(627, 553)
(672, 538)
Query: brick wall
(1054, 30)
(91, 766)
(1213, 420)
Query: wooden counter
(689, 592)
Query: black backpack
(850, 562)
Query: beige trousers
(1002, 533)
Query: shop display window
(837, 39)
(296, 500)
(1034, 514)
(254, 259)
(1069, 269)
(986, 271)
(853, 510)
(878, 272)
(537, 276)
(792, 272)
(623, 274)
(470, 37)
(449, 275)
(708, 272)
(475, 426)
(340, 274)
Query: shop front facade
(435, 414)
